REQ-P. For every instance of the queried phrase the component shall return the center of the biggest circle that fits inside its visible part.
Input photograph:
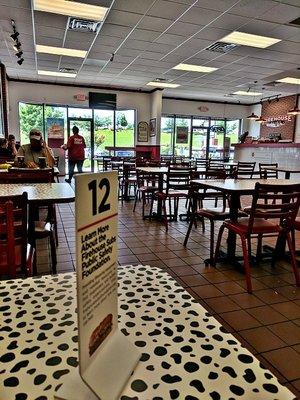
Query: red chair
(177, 187)
(267, 204)
(146, 187)
(16, 255)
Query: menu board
(106, 357)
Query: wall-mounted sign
(80, 97)
(182, 134)
(106, 357)
(55, 128)
(142, 131)
(203, 108)
(152, 127)
(277, 119)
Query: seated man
(35, 149)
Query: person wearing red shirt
(76, 156)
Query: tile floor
(266, 322)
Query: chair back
(266, 173)
(201, 163)
(28, 176)
(145, 179)
(275, 202)
(244, 169)
(13, 234)
(178, 177)
(215, 164)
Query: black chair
(244, 170)
(266, 173)
(146, 186)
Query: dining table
(287, 170)
(40, 193)
(159, 172)
(235, 189)
(185, 353)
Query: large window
(167, 135)
(196, 136)
(124, 128)
(111, 128)
(30, 116)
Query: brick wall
(279, 109)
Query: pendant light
(294, 111)
(252, 116)
(260, 119)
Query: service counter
(287, 155)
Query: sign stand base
(106, 376)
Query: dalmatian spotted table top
(186, 354)
(40, 192)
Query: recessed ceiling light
(247, 39)
(288, 79)
(196, 68)
(163, 84)
(244, 93)
(71, 9)
(56, 73)
(60, 51)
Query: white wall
(253, 126)
(64, 95)
(215, 110)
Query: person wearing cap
(35, 149)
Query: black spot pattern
(181, 345)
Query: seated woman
(4, 151)
(35, 149)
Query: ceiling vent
(160, 80)
(220, 47)
(295, 22)
(68, 70)
(83, 25)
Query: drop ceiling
(150, 37)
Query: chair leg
(259, 248)
(165, 213)
(193, 217)
(212, 239)
(143, 204)
(53, 253)
(217, 251)
(249, 247)
(246, 263)
(135, 200)
(293, 258)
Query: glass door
(216, 139)
(86, 129)
(200, 130)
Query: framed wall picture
(142, 131)
(152, 127)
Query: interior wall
(216, 110)
(64, 95)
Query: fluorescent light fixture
(60, 51)
(163, 84)
(247, 39)
(71, 9)
(244, 93)
(195, 68)
(56, 73)
(288, 79)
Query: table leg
(160, 189)
(234, 204)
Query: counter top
(278, 145)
